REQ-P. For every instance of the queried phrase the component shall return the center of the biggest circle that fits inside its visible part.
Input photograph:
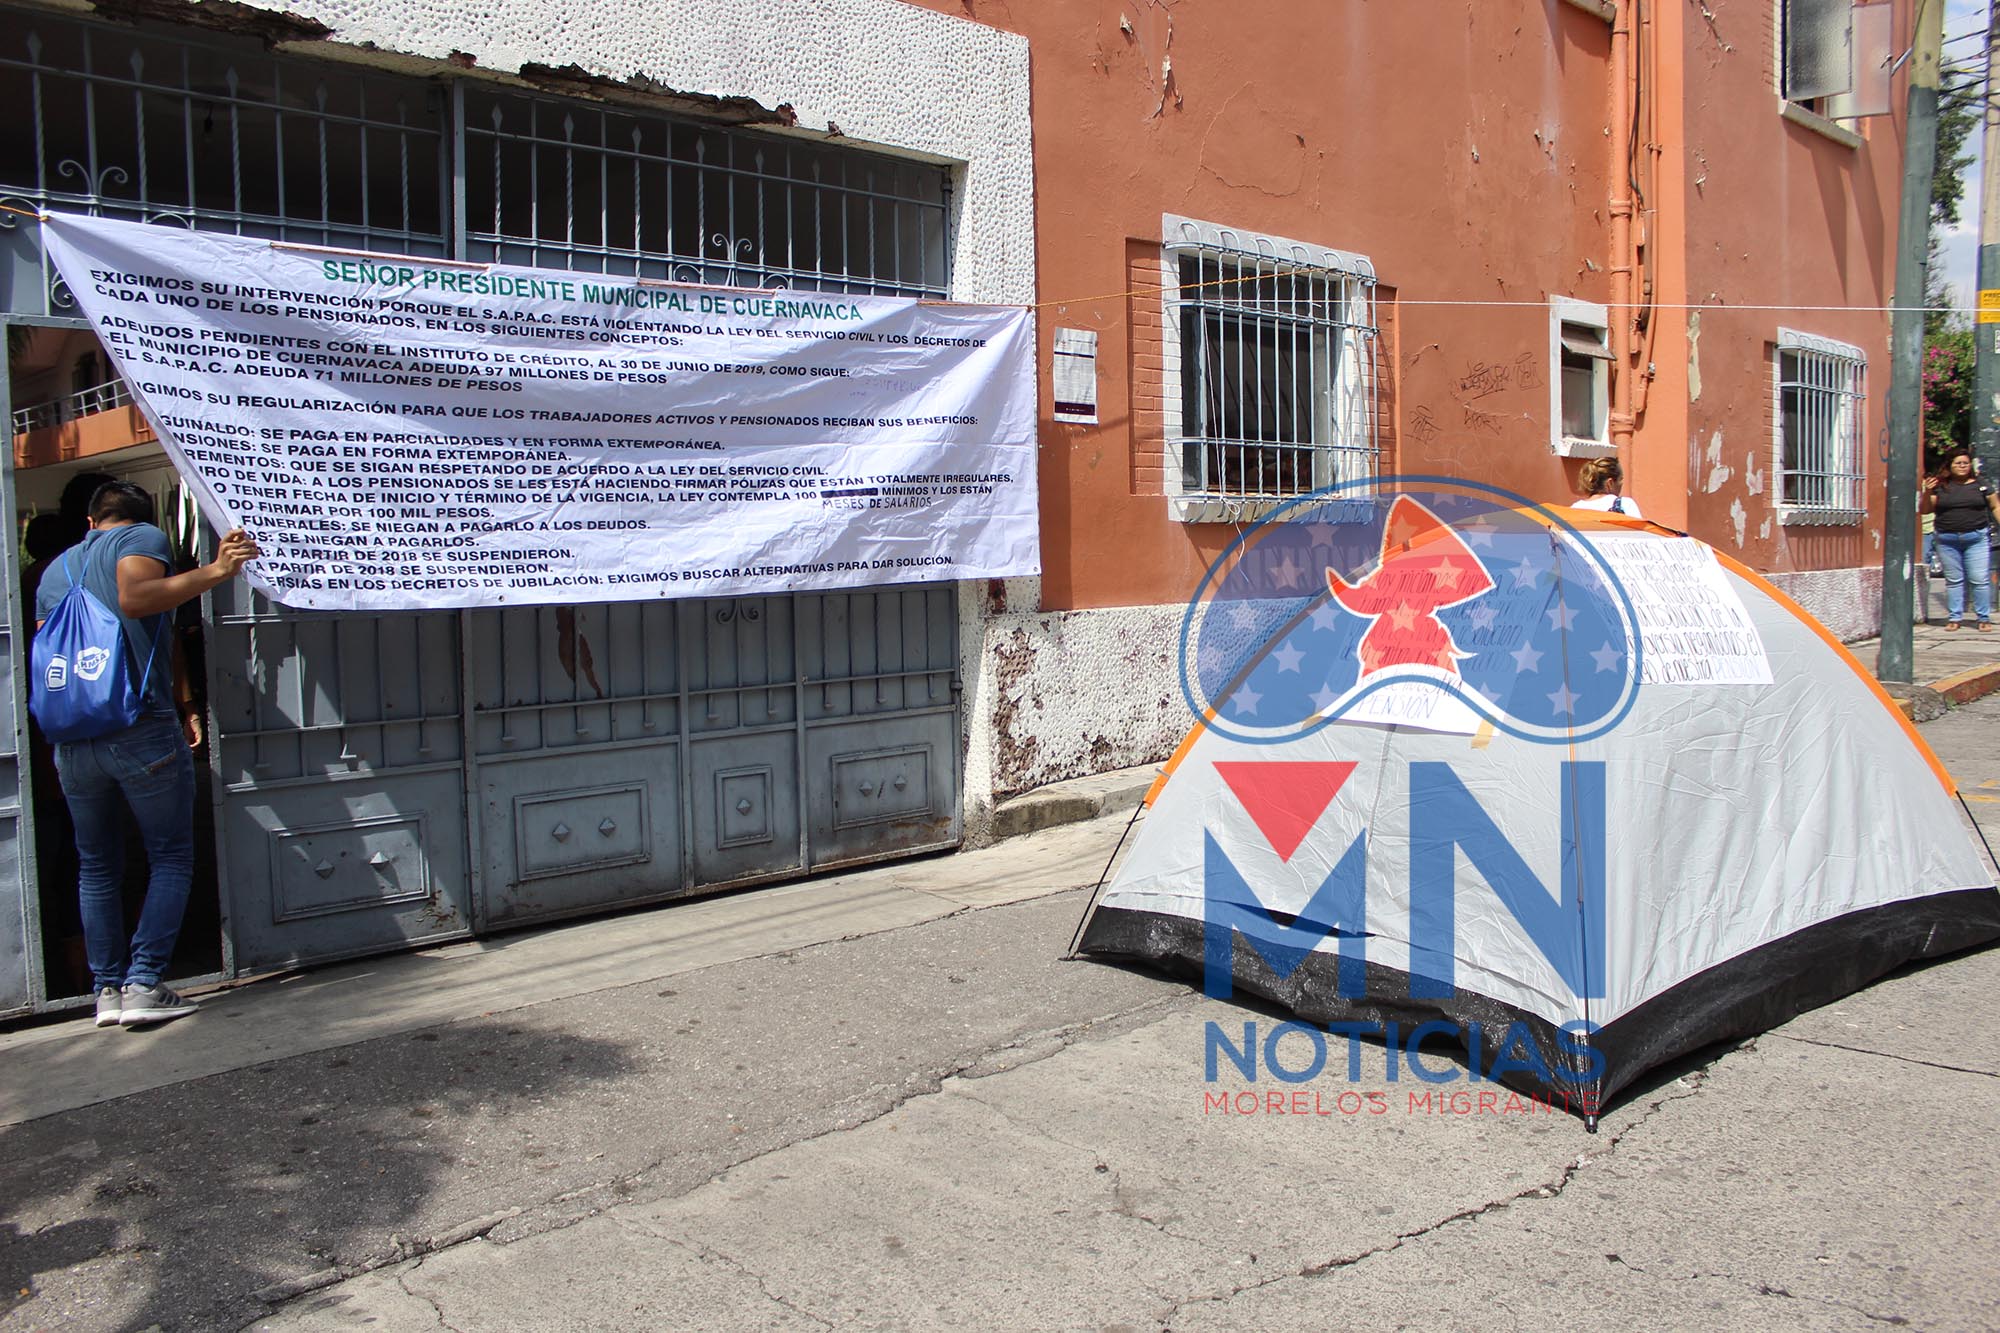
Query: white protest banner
(408, 433)
(1693, 628)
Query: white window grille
(1817, 463)
(1271, 370)
(1580, 387)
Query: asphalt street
(923, 1118)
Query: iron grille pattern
(1819, 427)
(1278, 368)
(611, 191)
(213, 135)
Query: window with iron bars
(213, 132)
(1818, 429)
(1276, 358)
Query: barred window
(1819, 427)
(1276, 364)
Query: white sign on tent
(406, 433)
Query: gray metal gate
(20, 916)
(629, 752)
(394, 779)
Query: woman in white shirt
(1603, 483)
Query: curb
(1073, 801)
(1962, 687)
(1926, 703)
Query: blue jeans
(1966, 559)
(147, 767)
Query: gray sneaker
(151, 1004)
(109, 1006)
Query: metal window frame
(1818, 471)
(298, 93)
(724, 249)
(1318, 422)
(1566, 313)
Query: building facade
(377, 781)
(1310, 244)
(1272, 247)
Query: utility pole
(1986, 333)
(1906, 347)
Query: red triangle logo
(1286, 799)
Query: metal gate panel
(880, 679)
(20, 910)
(552, 184)
(338, 753)
(576, 722)
(743, 747)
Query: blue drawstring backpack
(81, 689)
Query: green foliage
(1959, 107)
(1947, 384)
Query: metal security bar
(97, 398)
(584, 187)
(1819, 413)
(1277, 375)
(213, 135)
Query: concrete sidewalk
(1947, 668)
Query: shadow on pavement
(174, 1207)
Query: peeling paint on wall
(1079, 692)
(1753, 477)
(1718, 475)
(1739, 518)
(1764, 529)
(1694, 357)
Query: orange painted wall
(1777, 215)
(81, 437)
(1466, 150)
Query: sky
(1964, 25)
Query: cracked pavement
(943, 1125)
(1780, 1184)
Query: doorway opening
(74, 428)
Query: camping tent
(1577, 789)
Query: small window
(1815, 39)
(1580, 390)
(1586, 363)
(1276, 369)
(1836, 57)
(1818, 431)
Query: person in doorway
(125, 562)
(1965, 508)
(74, 507)
(1603, 482)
